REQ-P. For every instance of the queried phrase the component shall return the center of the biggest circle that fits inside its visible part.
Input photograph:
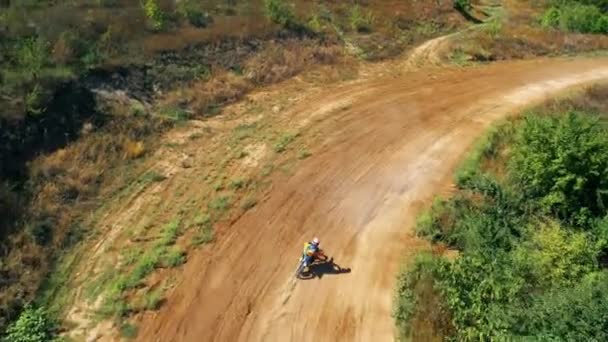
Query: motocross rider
(311, 251)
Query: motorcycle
(319, 256)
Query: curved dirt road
(380, 160)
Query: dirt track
(381, 159)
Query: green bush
(551, 17)
(33, 325)
(145, 266)
(555, 256)
(576, 313)
(154, 13)
(128, 330)
(192, 12)
(174, 257)
(463, 5)
(532, 245)
(203, 236)
(581, 18)
(361, 20)
(560, 162)
(280, 13)
(487, 148)
(476, 287)
(416, 279)
(601, 4)
(600, 233)
(152, 300)
(41, 230)
(33, 55)
(436, 224)
(199, 19)
(576, 18)
(284, 141)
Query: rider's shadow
(321, 268)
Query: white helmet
(316, 241)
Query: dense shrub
(551, 17)
(154, 14)
(561, 162)
(280, 13)
(554, 255)
(418, 299)
(576, 313)
(361, 20)
(33, 325)
(462, 5)
(532, 245)
(191, 11)
(601, 4)
(576, 18)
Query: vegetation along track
(379, 159)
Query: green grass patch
(248, 203)
(54, 292)
(170, 233)
(128, 331)
(195, 136)
(459, 57)
(204, 235)
(96, 286)
(241, 154)
(486, 148)
(145, 266)
(174, 114)
(204, 226)
(577, 17)
(218, 186)
(151, 177)
(174, 257)
(267, 170)
(244, 131)
(303, 154)
(202, 220)
(361, 20)
(284, 141)
(114, 282)
(114, 305)
(130, 256)
(151, 300)
(219, 206)
(238, 183)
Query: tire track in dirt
(377, 163)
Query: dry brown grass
(62, 52)
(519, 36)
(65, 185)
(241, 27)
(277, 62)
(203, 97)
(515, 42)
(133, 149)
